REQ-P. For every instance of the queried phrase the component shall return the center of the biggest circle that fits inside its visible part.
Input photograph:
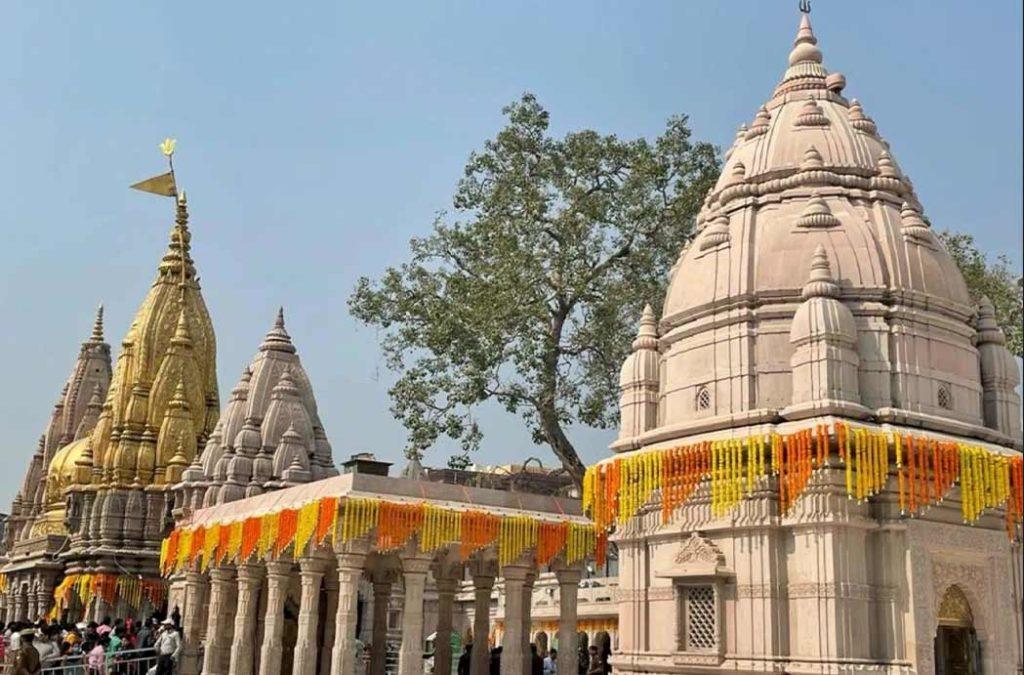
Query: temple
(818, 467)
(815, 399)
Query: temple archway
(957, 649)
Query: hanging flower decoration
(392, 524)
(926, 470)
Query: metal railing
(125, 662)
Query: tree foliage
(529, 292)
(992, 278)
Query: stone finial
(835, 83)
(716, 233)
(247, 440)
(989, 331)
(241, 389)
(886, 167)
(762, 121)
(812, 159)
(739, 172)
(821, 283)
(914, 224)
(285, 387)
(817, 214)
(805, 46)
(647, 336)
(97, 326)
(277, 338)
(860, 121)
(811, 115)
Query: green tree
(994, 279)
(529, 294)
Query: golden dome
(59, 475)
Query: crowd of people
(110, 647)
(591, 661)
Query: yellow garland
(268, 535)
(305, 527)
(210, 541)
(184, 546)
(234, 541)
(618, 489)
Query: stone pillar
(446, 586)
(278, 576)
(350, 570)
(101, 609)
(44, 596)
(483, 583)
(32, 606)
(20, 606)
(528, 619)
(306, 647)
(243, 646)
(568, 595)
(330, 625)
(381, 600)
(219, 621)
(195, 604)
(513, 659)
(414, 578)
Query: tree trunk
(562, 446)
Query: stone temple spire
(97, 326)
(805, 69)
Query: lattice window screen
(945, 397)
(700, 617)
(703, 399)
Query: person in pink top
(96, 659)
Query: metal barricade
(126, 662)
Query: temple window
(702, 401)
(699, 618)
(945, 397)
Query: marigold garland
(250, 538)
(287, 524)
(395, 523)
(305, 527)
(327, 518)
(926, 470)
(108, 587)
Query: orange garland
(327, 519)
(286, 528)
(250, 537)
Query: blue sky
(316, 138)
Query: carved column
(278, 576)
(446, 586)
(330, 612)
(219, 621)
(414, 578)
(306, 648)
(243, 646)
(483, 583)
(568, 596)
(381, 599)
(528, 619)
(350, 570)
(513, 661)
(195, 606)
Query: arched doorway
(604, 645)
(957, 650)
(582, 643)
